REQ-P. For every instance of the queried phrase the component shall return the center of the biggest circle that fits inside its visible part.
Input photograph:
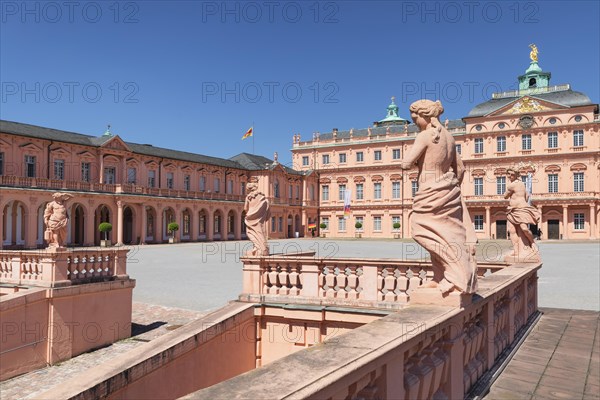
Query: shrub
(323, 225)
(105, 227)
(396, 225)
(358, 225)
(172, 227)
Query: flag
(347, 197)
(312, 226)
(248, 133)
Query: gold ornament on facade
(534, 52)
(526, 105)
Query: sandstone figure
(258, 211)
(56, 219)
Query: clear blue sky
(193, 75)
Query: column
(237, 227)
(158, 225)
(565, 227)
(119, 223)
(592, 221)
(210, 225)
(89, 228)
(488, 221)
(143, 223)
(31, 228)
(101, 171)
(1, 226)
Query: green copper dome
(392, 115)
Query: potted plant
(105, 227)
(396, 226)
(172, 228)
(358, 227)
(323, 226)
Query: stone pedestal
(433, 296)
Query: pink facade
(560, 147)
(138, 189)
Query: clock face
(526, 121)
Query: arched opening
(218, 228)
(231, 225)
(168, 217)
(243, 225)
(290, 226)
(102, 214)
(128, 226)
(41, 227)
(77, 222)
(202, 225)
(532, 83)
(13, 225)
(186, 224)
(150, 224)
(298, 225)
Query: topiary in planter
(358, 225)
(105, 227)
(172, 227)
(396, 225)
(323, 225)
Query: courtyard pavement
(205, 276)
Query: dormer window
(532, 83)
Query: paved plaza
(204, 276)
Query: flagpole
(253, 138)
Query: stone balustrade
(419, 352)
(47, 268)
(305, 279)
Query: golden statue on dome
(534, 53)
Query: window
(360, 157)
(553, 183)
(297, 192)
(131, 175)
(217, 185)
(290, 191)
(500, 184)
(305, 160)
(341, 224)
(377, 223)
(280, 224)
(1, 163)
(170, 180)
(85, 171)
(552, 140)
(325, 192)
(30, 166)
(273, 224)
(578, 182)
(202, 183)
(325, 159)
(501, 144)
(151, 179)
(186, 182)
(377, 190)
(395, 190)
(414, 187)
(109, 175)
(478, 221)
(396, 154)
(342, 192)
(276, 189)
(59, 169)
(243, 188)
(217, 223)
(377, 155)
(478, 186)
(186, 223)
(342, 158)
(478, 145)
(526, 142)
(230, 186)
(360, 220)
(395, 220)
(360, 191)
(458, 148)
(579, 221)
(577, 138)
(325, 220)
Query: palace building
(139, 189)
(551, 133)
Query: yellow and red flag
(248, 133)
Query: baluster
(352, 292)
(330, 282)
(294, 278)
(273, 280)
(415, 279)
(283, 281)
(390, 286)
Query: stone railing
(419, 352)
(48, 268)
(305, 279)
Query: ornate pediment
(527, 105)
(115, 143)
(31, 147)
(86, 154)
(60, 151)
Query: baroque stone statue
(258, 211)
(519, 215)
(440, 221)
(56, 219)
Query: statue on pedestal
(519, 215)
(440, 221)
(56, 219)
(258, 211)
